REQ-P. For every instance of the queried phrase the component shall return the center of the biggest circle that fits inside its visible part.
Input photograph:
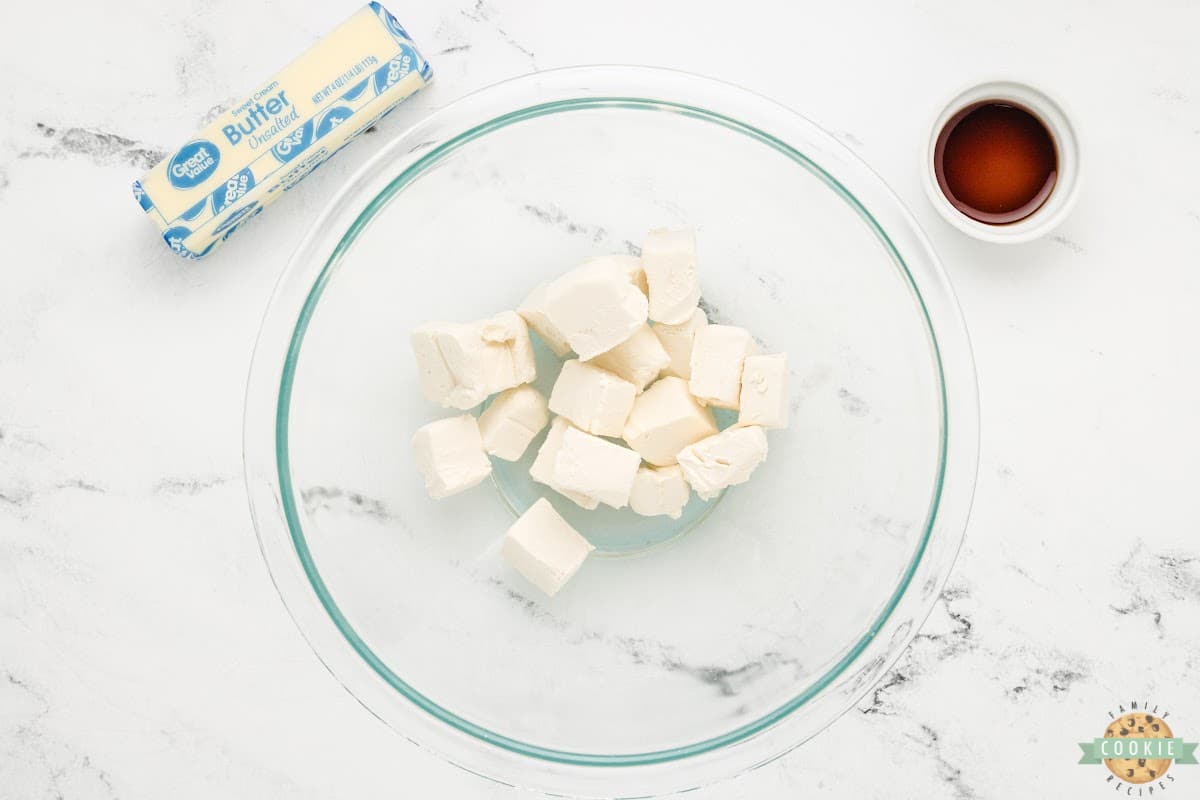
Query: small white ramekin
(1066, 188)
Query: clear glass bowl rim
(272, 499)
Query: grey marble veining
(331, 498)
(100, 147)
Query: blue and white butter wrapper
(254, 152)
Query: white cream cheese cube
(594, 309)
(669, 259)
(665, 419)
(461, 364)
(451, 363)
(544, 548)
(437, 382)
(533, 311)
(677, 341)
(659, 491)
(508, 353)
(718, 353)
(592, 398)
(628, 267)
(764, 398)
(449, 453)
(596, 467)
(542, 469)
(514, 417)
(726, 459)
(638, 359)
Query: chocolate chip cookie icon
(1138, 726)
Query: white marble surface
(143, 651)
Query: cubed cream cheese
(544, 548)
(669, 259)
(533, 311)
(764, 397)
(594, 309)
(596, 467)
(437, 382)
(665, 419)
(542, 469)
(659, 491)
(514, 417)
(449, 452)
(638, 359)
(718, 354)
(594, 399)
(508, 353)
(677, 341)
(726, 459)
(461, 364)
(628, 267)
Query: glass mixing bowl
(670, 660)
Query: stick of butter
(254, 152)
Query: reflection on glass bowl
(785, 601)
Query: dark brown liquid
(996, 162)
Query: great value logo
(193, 164)
(176, 238)
(294, 143)
(140, 195)
(393, 25)
(235, 188)
(393, 72)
